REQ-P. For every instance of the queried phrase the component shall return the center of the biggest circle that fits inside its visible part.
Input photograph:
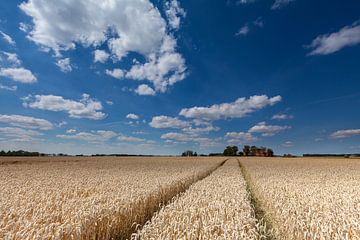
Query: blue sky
(160, 77)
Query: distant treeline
(331, 155)
(21, 153)
(123, 155)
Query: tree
(231, 151)
(246, 150)
(269, 152)
(188, 153)
(253, 150)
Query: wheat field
(218, 207)
(308, 198)
(179, 198)
(89, 198)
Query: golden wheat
(89, 198)
(218, 207)
(309, 198)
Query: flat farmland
(308, 198)
(179, 198)
(88, 198)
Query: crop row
(218, 207)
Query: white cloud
(267, 130)
(282, 117)
(71, 131)
(181, 137)
(124, 25)
(110, 103)
(200, 130)
(64, 65)
(85, 108)
(157, 70)
(9, 88)
(287, 144)
(7, 38)
(176, 136)
(132, 116)
(18, 74)
(242, 2)
(168, 122)
(244, 30)
(240, 137)
(26, 122)
(238, 109)
(93, 136)
(333, 42)
(144, 89)
(174, 13)
(116, 73)
(101, 56)
(62, 123)
(24, 27)
(12, 58)
(278, 4)
(259, 22)
(345, 133)
(123, 138)
(19, 134)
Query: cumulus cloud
(64, 65)
(26, 122)
(93, 136)
(101, 56)
(132, 116)
(18, 74)
(157, 70)
(345, 133)
(110, 103)
(282, 117)
(115, 73)
(7, 38)
(144, 89)
(124, 25)
(12, 58)
(244, 30)
(238, 109)
(86, 107)
(19, 134)
(267, 130)
(174, 13)
(333, 42)
(168, 122)
(240, 137)
(278, 4)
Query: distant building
(260, 152)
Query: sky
(164, 76)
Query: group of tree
(248, 151)
(189, 153)
(21, 153)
